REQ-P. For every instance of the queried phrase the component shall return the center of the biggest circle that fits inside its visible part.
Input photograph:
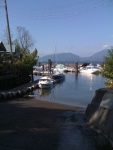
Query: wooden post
(49, 65)
(76, 67)
(43, 67)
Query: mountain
(69, 57)
(99, 56)
(64, 57)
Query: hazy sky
(82, 27)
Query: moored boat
(91, 69)
(45, 82)
(58, 76)
(60, 68)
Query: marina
(75, 90)
(60, 86)
(56, 87)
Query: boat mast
(55, 55)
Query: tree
(107, 71)
(23, 60)
(23, 43)
(108, 65)
(24, 40)
(5, 37)
(30, 58)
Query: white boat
(45, 82)
(70, 69)
(60, 68)
(91, 69)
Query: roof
(2, 47)
(6, 47)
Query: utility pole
(9, 35)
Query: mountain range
(69, 57)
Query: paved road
(27, 124)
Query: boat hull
(58, 77)
(44, 85)
(90, 71)
(45, 82)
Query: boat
(91, 69)
(58, 76)
(70, 69)
(45, 82)
(60, 68)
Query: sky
(82, 27)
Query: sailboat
(58, 71)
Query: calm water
(76, 90)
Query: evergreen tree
(107, 71)
(108, 65)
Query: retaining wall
(99, 113)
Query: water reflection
(90, 78)
(76, 89)
(44, 91)
(76, 77)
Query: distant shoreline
(70, 62)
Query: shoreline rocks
(99, 113)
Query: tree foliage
(23, 43)
(30, 58)
(24, 39)
(23, 59)
(5, 37)
(108, 65)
